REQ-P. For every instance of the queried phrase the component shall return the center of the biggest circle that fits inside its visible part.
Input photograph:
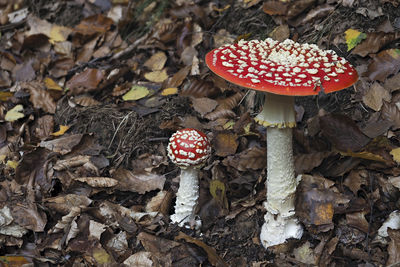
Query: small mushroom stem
(280, 224)
(186, 197)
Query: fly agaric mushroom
(189, 149)
(282, 70)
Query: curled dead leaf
(254, 158)
(385, 63)
(100, 182)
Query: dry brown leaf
(204, 105)
(212, 255)
(138, 182)
(374, 42)
(219, 114)
(321, 11)
(225, 143)
(65, 164)
(100, 182)
(44, 126)
(254, 158)
(305, 163)
(355, 179)
(62, 226)
(86, 101)
(86, 81)
(393, 83)
(288, 9)
(64, 203)
(317, 201)
(160, 203)
(60, 67)
(385, 63)
(390, 112)
(62, 145)
(200, 88)
(177, 79)
(40, 97)
(358, 221)
(156, 61)
(231, 102)
(24, 72)
(394, 247)
(94, 24)
(375, 96)
(343, 133)
(280, 33)
(141, 258)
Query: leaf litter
(89, 101)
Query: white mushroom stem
(280, 224)
(187, 197)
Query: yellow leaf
(169, 91)
(63, 129)
(101, 256)
(15, 113)
(353, 38)
(51, 84)
(136, 92)
(58, 34)
(4, 96)
(229, 125)
(363, 155)
(156, 62)
(218, 192)
(2, 158)
(396, 154)
(12, 163)
(157, 76)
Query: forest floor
(91, 91)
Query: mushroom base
(186, 198)
(277, 229)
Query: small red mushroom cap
(283, 68)
(188, 147)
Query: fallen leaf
(254, 158)
(212, 255)
(385, 63)
(157, 76)
(41, 98)
(305, 163)
(12, 164)
(156, 61)
(62, 145)
(15, 113)
(218, 192)
(86, 81)
(61, 131)
(396, 154)
(280, 33)
(355, 179)
(136, 92)
(390, 112)
(343, 133)
(353, 38)
(100, 182)
(357, 220)
(225, 144)
(394, 247)
(305, 254)
(138, 182)
(204, 105)
(64, 203)
(375, 96)
(51, 84)
(169, 91)
(374, 42)
(140, 259)
(94, 24)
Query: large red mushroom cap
(284, 68)
(188, 147)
